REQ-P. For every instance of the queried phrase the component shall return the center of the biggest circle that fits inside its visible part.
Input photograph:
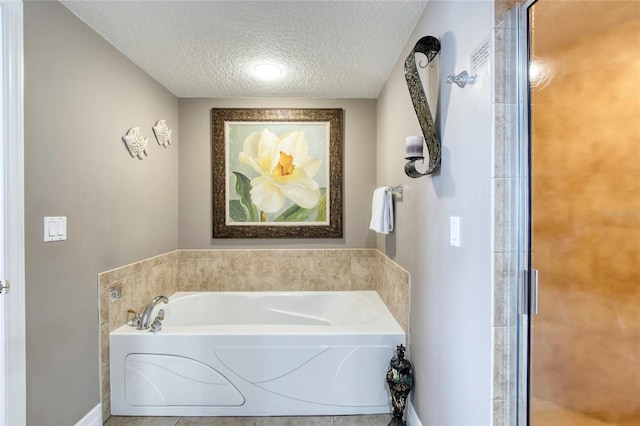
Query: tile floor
(366, 420)
(549, 414)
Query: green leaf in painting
(237, 211)
(322, 206)
(296, 213)
(243, 188)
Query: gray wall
(81, 97)
(195, 172)
(451, 287)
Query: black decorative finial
(400, 381)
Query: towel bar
(398, 188)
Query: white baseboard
(93, 417)
(412, 416)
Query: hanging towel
(382, 211)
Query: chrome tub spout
(143, 323)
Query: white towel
(382, 211)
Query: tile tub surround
(276, 270)
(137, 283)
(244, 270)
(392, 284)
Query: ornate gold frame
(220, 117)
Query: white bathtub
(257, 354)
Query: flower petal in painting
(311, 166)
(266, 196)
(285, 168)
(250, 161)
(258, 149)
(305, 192)
(267, 149)
(295, 144)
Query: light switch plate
(454, 231)
(55, 228)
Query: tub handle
(156, 326)
(135, 322)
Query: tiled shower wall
(244, 270)
(507, 185)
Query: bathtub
(257, 354)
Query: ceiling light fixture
(267, 71)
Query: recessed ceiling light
(267, 71)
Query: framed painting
(277, 173)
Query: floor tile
(367, 420)
(549, 414)
(295, 421)
(217, 421)
(141, 421)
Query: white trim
(13, 106)
(412, 416)
(3, 329)
(93, 417)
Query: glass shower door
(584, 123)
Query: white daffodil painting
(277, 173)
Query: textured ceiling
(327, 49)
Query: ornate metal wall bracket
(428, 46)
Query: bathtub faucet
(143, 322)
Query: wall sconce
(414, 152)
(428, 46)
(461, 79)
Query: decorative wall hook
(428, 46)
(163, 133)
(461, 79)
(136, 143)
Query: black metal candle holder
(428, 46)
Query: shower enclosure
(581, 350)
